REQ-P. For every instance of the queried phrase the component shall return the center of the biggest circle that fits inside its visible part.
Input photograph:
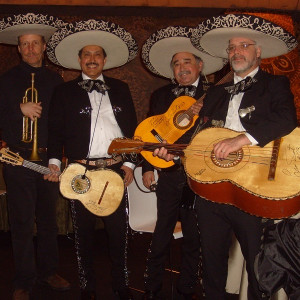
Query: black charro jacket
(70, 118)
(274, 115)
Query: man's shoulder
(114, 81)
(11, 72)
(165, 89)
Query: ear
(258, 51)
(200, 65)
(104, 61)
(19, 50)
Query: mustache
(237, 56)
(184, 73)
(92, 64)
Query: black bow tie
(241, 86)
(90, 85)
(186, 90)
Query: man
(274, 116)
(170, 53)
(31, 199)
(83, 122)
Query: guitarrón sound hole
(80, 185)
(230, 161)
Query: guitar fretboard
(35, 167)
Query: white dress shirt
(233, 120)
(104, 126)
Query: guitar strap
(228, 77)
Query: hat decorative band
(161, 46)
(115, 40)
(31, 18)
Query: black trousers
(169, 196)
(116, 227)
(216, 224)
(31, 199)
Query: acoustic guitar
(171, 125)
(100, 191)
(263, 181)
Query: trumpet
(30, 127)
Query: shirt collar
(194, 84)
(251, 74)
(84, 77)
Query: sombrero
(159, 48)
(14, 26)
(213, 35)
(64, 45)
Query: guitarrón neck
(176, 149)
(35, 167)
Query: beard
(243, 64)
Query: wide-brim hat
(159, 48)
(14, 26)
(64, 45)
(214, 34)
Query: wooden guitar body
(100, 191)
(242, 179)
(169, 126)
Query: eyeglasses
(241, 47)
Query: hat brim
(10, 35)
(159, 49)
(64, 45)
(212, 41)
(67, 50)
(214, 34)
(17, 25)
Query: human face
(32, 48)
(244, 60)
(186, 68)
(92, 61)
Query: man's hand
(223, 148)
(148, 179)
(196, 107)
(128, 175)
(163, 153)
(54, 175)
(31, 110)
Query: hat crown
(63, 47)
(214, 33)
(160, 47)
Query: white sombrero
(158, 50)
(213, 35)
(14, 26)
(64, 45)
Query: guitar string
(263, 155)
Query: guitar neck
(228, 77)
(35, 167)
(176, 149)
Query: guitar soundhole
(182, 120)
(230, 161)
(80, 184)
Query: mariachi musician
(31, 199)
(169, 53)
(86, 114)
(270, 114)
